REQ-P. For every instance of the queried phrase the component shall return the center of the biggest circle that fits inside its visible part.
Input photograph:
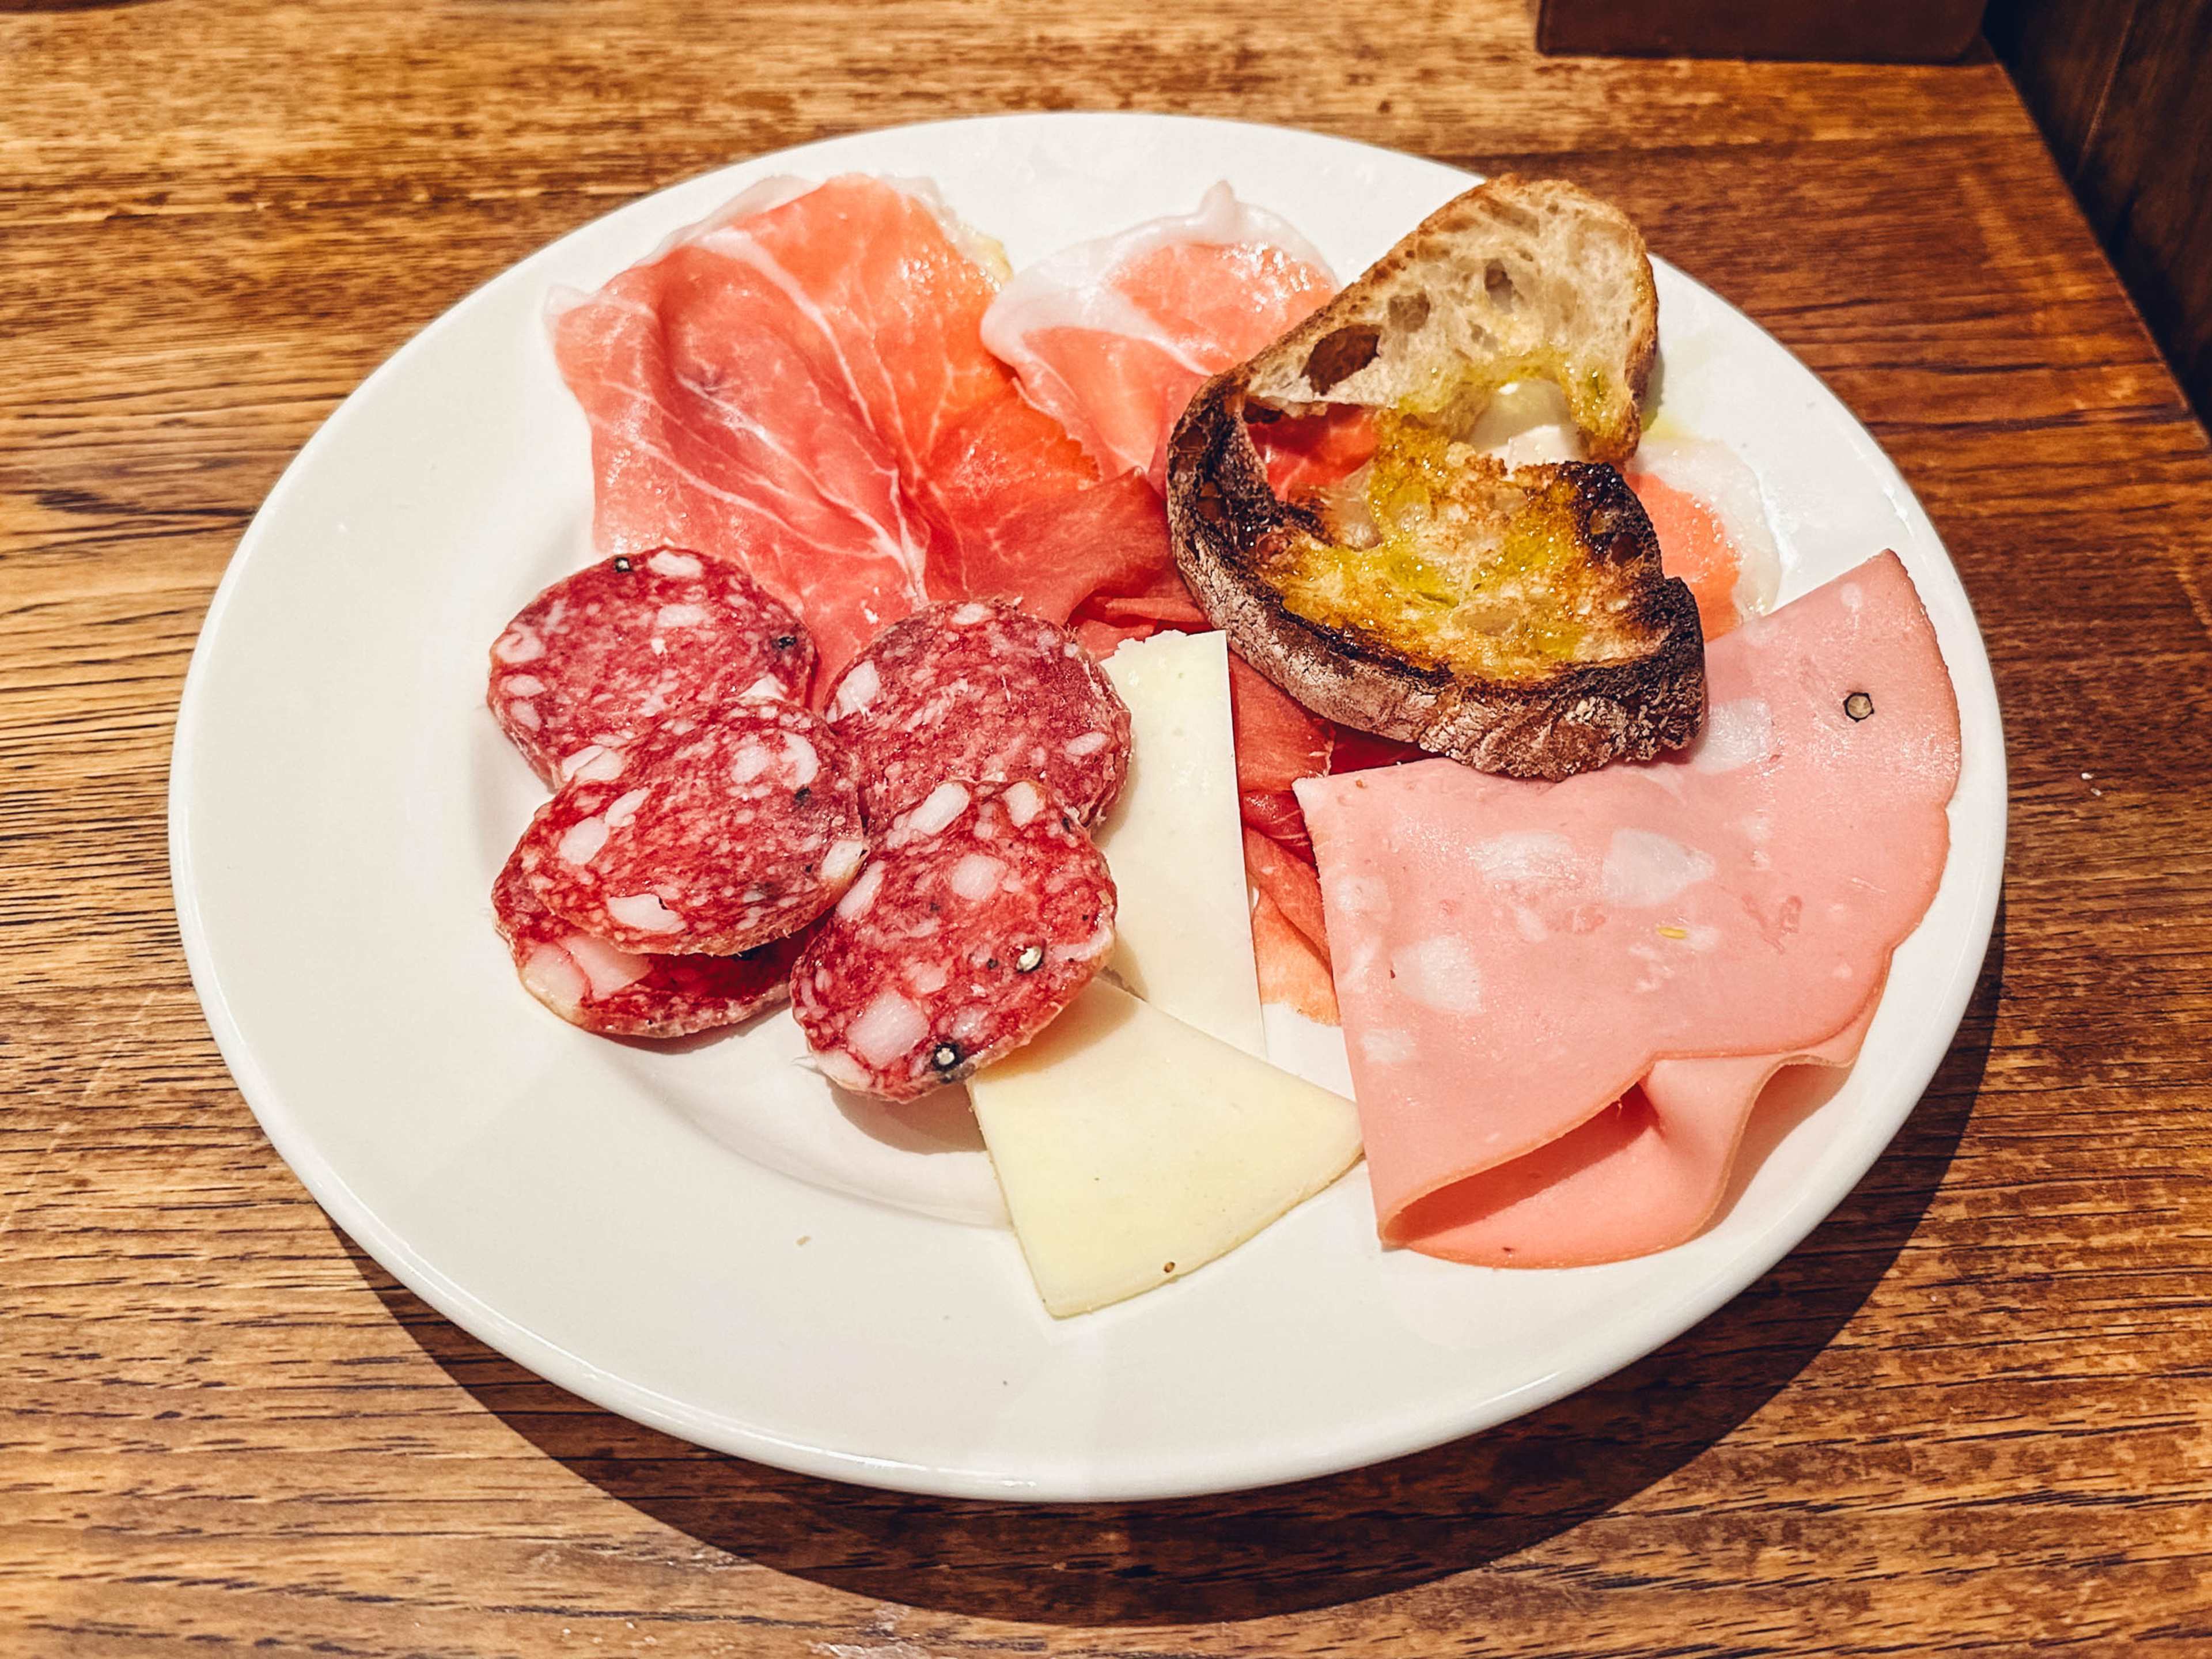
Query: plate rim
(1391, 1439)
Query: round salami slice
(984, 911)
(617, 992)
(976, 691)
(601, 657)
(709, 839)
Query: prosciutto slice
(799, 385)
(1513, 958)
(1112, 336)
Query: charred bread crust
(1223, 514)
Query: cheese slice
(1175, 842)
(1133, 1147)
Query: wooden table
(1969, 1415)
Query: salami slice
(985, 910)
(599, 657)
(617, 992)
(706, 839)
(981, 692)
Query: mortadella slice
(1512, 957)
(1646, 1173)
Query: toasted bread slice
(1519, 279)
(1518, 620)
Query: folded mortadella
(1513, 958)
(1642, 1175)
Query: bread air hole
(1497, 286)
(1337, 356)
(1408, 312)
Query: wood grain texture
(1968, 1416)
(1865, 31)
(2063, 57)
(2124, 93)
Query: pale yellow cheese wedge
(1132, 1147)
(1175, 842)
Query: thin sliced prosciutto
(799, 385)
(1280, 742)
(1112, 336)
(1515, 959)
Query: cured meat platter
(770, 1231)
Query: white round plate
(699, 1238)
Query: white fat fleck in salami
(940, 807)
(593, 763)
(629, 643)
(644, 913)
(551, 976)
(887, 1029)
(942, 957)
(845, 1073)
(581, 841)
(842, 858)
(750, 761)
(859, 686)
(714, 839)
(520, 643)
(800, 755)
(974, 876)
(606, 969)
(623, 808)
(603, 988)
(862, 893)
(980, 691)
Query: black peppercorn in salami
(617, 992)
(978, 691)
(984, 911)
(709, 839)
(601, 657)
